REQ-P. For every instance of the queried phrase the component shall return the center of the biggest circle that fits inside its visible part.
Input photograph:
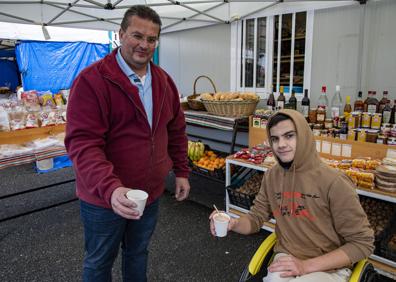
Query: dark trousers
(104, 231)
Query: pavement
(47, 245)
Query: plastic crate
(385, 251)
(238, 198)
(218, 173)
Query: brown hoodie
(316, 208)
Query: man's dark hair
(142, 11)
(277, 118)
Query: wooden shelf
(26, 135)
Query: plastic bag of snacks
(4, 121)
(46, 99)
(17, 117)
(65, 94)
(58, 99)
(30, 100)
(59, 115)
(32, 119)
(47, 117)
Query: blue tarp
(54, 65)
(9, 74)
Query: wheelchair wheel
(369, 274)
(247, 277)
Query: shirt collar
(126, 69)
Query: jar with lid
(328, 123)
(371, 135)
(320, 115)
(392, 141)
(351, 134)
(354, 120)
(381, 139)
(312, 115)
(317, 129)
(366, 120)
(393, 131)
(324, 132)
(376, 121)
(361, 135)
(343, 131)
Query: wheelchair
(363, 271)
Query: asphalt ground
(47, 245)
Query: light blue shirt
(145, 89)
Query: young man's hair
(277, 119)
(142, 11)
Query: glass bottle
(280, 102)
(386, 113)
(336, 104)
(323, 102)
(359, 104)
(305, 104)
(372, 103)
(369, 94)
(393, 114)
(383, 101)
(293, 101)
(348, 107)
(271, 102)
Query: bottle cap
(323, 88)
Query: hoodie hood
(306, 155)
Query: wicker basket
(230, 108)
(196, 104)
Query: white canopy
(107, 14)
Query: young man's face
(284, 140)
(138, 42)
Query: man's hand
(182, 188)
(122, 205)
(231, 224)
(289, 266)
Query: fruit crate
(217, 173)
(237, 198)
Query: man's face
(284, 140)
(138, 42)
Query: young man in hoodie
(321, 227)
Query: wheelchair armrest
(257, 260)
(358, 270)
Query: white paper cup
(139, 197)
(221, 221)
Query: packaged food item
(58, 99)
(47, 117)
(345, 164)
(312, 115)
(366, 120)
(372, 164)
(45, 99)
(361, 135)
(359, 163)
(17, 118)
(4, 121)
(376, 121)
(317, 129)
(30, 100)
(371, 135)
(381, 139)
(351, 134)
(59, 116)
(32, 119)
(328, 123)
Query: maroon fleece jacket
(109, 139)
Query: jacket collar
(110, 69)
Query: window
(279, 63)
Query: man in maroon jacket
(125, 130)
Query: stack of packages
(386, 175)
(35, 109)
